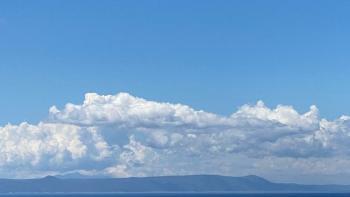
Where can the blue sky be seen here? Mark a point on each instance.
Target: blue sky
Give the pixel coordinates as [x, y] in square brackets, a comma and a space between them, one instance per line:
[214, 56]
[172, 59]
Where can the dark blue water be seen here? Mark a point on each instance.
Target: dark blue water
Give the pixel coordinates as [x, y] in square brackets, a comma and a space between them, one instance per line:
[182, 195]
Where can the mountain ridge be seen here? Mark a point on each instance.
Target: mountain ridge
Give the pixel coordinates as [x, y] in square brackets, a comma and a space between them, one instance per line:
[186, 183]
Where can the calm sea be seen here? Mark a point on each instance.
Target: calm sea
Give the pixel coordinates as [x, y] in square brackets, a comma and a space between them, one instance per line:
[181, 195]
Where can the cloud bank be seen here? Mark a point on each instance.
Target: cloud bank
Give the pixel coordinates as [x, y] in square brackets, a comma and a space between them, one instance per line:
[122, 135]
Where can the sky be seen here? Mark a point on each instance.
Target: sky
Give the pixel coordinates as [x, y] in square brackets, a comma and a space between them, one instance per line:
[246, 87]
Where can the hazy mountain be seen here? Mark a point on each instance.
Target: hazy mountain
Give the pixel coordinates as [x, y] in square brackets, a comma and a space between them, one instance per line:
[77, 175]
[194, 183]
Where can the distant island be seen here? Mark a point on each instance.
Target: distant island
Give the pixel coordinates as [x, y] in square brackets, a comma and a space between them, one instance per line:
[191, 183]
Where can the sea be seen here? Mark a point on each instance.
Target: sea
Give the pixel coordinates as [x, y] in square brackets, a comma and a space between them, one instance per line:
[178, 195]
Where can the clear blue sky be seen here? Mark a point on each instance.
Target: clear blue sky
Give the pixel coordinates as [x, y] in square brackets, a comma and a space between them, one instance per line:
[211, 55]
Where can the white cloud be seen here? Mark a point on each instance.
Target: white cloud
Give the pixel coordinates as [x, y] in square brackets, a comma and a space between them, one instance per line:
[49, 145]
[125, 110]
[122, 135]
[285, 115]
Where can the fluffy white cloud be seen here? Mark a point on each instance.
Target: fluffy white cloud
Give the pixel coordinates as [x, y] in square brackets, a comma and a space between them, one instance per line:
[49, 145]
[122, 135]
[125, 110]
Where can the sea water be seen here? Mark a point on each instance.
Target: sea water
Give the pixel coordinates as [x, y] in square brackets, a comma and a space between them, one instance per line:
[181, 195]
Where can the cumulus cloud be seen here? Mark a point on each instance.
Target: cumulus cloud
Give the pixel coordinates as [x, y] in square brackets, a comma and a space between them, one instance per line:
[49, 145]
[122, 135]
[125, 110]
